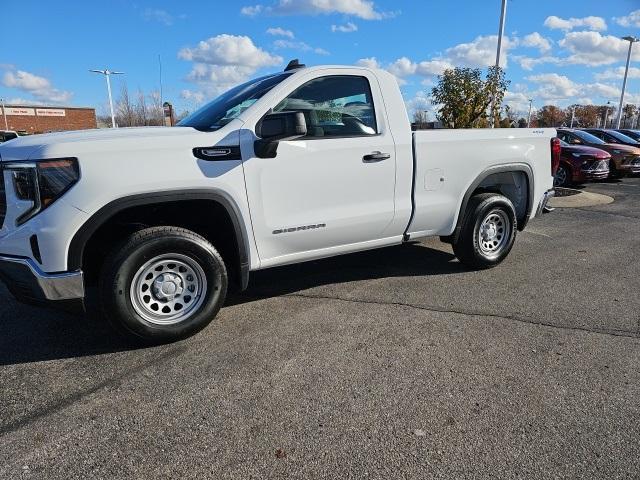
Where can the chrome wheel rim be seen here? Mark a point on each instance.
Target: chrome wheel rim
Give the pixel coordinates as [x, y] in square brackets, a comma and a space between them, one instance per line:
[561, 177]
[494, 233]
[168, 289]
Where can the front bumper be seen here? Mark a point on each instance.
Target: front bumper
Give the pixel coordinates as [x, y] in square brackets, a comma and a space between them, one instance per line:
[543, 205]
[28, 284]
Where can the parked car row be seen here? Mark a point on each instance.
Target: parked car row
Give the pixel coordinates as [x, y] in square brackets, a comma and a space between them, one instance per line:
[596, 154]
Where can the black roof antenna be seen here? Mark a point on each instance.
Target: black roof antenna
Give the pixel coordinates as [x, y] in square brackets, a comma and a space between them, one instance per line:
[294, 64]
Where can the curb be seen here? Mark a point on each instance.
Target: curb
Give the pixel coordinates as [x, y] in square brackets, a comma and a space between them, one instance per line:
[578, 198]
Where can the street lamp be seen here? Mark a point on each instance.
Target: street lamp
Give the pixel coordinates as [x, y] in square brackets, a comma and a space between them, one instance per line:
[529, 117]
[631, 41]
[503, 15]
[107, 73]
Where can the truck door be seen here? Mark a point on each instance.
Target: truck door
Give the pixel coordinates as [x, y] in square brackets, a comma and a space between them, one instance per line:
[335, 186]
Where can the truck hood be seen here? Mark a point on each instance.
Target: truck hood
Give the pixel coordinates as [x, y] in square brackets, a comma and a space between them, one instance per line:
[76, 143]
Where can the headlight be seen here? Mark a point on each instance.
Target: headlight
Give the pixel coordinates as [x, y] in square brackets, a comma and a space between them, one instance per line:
[42, 182]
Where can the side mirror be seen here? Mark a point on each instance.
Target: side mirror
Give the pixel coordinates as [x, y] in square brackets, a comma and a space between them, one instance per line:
[276, 127]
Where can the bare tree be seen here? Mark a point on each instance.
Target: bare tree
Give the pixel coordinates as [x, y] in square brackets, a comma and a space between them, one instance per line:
[126, 116]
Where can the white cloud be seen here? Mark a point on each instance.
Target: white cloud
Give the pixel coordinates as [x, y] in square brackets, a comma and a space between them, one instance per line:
[535, 40]
[364, 9]
[35, 85]
[346, 28]
[617, 73]
[224, 61]
[402, 67]
[554, 87]
[593, 23]
[433, 67]
[631, 20]
[593, 49]
[301, 46]
[158, 15]
[230, 50]
[517, 101]
[371, 62]
[481, 52]
[528, 63]
[280, 32]
[251, 11]
[191, 96]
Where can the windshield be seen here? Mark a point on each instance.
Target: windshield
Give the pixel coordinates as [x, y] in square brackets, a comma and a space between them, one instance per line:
[587, 137]
[621, 137]
[229, 105]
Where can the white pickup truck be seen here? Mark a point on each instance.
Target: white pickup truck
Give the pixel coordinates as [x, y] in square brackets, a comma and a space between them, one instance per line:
[294, 166]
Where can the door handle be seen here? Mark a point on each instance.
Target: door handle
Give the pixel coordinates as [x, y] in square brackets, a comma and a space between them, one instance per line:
[375, 157]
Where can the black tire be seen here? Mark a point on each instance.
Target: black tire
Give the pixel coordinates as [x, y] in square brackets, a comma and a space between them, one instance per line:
[473, 252]
[560, 180]
[122, 305]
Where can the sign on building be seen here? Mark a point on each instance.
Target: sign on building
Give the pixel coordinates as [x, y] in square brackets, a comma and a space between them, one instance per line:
[50, 112]
[30, 112]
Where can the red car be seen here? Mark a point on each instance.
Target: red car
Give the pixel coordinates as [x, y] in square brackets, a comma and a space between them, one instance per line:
[579, 164]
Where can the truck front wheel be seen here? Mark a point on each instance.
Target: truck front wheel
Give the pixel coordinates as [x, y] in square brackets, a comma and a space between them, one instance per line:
[163, 284]
[488, 231]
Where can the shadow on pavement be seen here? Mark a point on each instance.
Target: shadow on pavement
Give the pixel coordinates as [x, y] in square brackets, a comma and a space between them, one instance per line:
[29, 334]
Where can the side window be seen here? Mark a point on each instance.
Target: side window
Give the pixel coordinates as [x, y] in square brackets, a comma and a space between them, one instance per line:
[564, 137]
[334, 106]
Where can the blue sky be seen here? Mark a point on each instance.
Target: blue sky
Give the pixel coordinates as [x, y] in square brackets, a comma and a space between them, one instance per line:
[557, 52]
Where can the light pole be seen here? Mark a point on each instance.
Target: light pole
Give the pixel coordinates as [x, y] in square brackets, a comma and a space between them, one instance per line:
[631, 41]
[503, 15]
[529, 116]
[107, 74]
[4, 113]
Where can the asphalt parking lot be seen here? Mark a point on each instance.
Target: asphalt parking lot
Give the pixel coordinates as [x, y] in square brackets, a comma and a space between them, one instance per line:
[394, 363]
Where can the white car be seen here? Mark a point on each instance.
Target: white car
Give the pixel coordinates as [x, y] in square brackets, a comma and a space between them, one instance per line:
[295, 166]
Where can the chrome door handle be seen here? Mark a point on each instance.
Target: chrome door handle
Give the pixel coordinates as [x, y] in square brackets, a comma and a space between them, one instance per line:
[375, 157]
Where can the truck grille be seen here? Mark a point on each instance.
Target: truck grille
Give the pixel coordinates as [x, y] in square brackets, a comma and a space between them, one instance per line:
[3, 199]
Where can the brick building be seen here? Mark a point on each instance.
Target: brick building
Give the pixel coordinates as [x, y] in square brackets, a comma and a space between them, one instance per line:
[41, 119]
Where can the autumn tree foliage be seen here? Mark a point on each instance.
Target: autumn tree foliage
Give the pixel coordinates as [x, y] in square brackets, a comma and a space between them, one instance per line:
[463, 98]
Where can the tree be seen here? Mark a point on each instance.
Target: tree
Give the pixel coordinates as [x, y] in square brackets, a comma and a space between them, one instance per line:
[585, 115]
[510, 119]
[628, 112]
[420, 119]
[462, 97]
[550, 116]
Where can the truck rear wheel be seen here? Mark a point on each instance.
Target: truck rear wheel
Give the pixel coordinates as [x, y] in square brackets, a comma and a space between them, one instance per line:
[163, 284]
[488, 231]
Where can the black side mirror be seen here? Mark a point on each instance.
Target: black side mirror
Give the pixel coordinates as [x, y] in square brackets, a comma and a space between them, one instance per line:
[276, 127]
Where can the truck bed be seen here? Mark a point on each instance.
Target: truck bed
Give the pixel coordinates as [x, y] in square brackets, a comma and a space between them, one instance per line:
[450, 164]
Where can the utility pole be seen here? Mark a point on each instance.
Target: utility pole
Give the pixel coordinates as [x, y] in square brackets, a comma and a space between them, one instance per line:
[631, 41]
[503, 16]
[529, 117]
[107, 74]
[4, 113]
